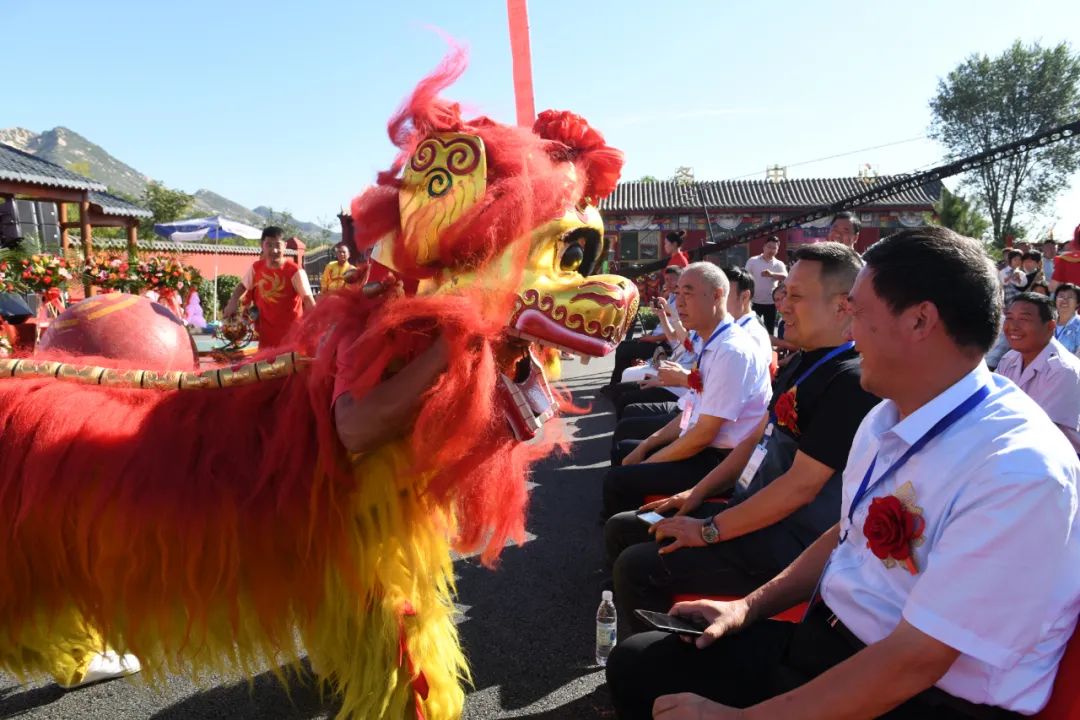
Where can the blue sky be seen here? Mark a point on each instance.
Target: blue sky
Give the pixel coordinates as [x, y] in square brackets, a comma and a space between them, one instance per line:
[286, 104]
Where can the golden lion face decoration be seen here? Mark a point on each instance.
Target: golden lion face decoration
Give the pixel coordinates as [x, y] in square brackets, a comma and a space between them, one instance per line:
[559, 304]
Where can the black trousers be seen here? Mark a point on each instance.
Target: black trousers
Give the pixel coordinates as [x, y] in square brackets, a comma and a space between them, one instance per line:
[646, 580]
[768, 315]
[658, 396]
[627, 352]
[766, 659]
[626, 486]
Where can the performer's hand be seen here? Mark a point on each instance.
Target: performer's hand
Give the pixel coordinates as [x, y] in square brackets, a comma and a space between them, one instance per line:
[688, 706]
[723, 618]
[685, 531]
[391, 285]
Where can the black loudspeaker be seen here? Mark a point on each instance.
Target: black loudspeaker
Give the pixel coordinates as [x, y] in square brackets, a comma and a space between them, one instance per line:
[10, 231]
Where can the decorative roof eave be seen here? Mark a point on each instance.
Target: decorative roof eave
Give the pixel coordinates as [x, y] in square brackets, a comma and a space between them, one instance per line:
[22, 167]
[111, 205]
[756, 195]
[181, 248]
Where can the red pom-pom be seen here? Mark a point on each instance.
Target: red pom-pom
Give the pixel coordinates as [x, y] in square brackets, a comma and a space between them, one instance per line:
[603, 164]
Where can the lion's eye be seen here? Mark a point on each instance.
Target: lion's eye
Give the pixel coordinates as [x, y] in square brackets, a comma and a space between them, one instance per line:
[571, 257]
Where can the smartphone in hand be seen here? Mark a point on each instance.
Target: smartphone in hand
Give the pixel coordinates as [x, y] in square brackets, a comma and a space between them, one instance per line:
[650, 517]
[670, 623]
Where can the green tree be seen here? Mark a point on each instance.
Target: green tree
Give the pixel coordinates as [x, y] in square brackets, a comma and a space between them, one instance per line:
[166, 205]
[957, 213]
[989, 101]
[647, 179]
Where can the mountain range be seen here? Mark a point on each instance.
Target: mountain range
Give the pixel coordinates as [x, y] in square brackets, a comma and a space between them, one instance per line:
[68, 149]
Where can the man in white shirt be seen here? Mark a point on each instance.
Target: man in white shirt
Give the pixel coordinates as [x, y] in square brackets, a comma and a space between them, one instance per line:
[949, 586]
[768, 272]
[1040, 365]
[739, 306]
[730, 391]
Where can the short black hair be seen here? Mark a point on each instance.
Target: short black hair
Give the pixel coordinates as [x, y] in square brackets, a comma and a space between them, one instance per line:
[1033, 255]
[772, 238]
[740, 280]
[1045, 306]
[1011, 254]
[936, 265]
[1042, 285]
[1067, 287]
[272, 232]
[676, 237]
[850, 217]
[840, 264]
[673, 270]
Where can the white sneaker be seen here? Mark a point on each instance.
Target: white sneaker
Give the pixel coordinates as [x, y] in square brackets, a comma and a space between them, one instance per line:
[107, 666]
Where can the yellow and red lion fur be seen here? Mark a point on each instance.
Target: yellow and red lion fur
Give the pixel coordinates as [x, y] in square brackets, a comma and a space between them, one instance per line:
[226, 529]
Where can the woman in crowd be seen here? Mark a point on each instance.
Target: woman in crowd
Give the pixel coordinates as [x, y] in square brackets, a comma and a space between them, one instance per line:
[1068, 323]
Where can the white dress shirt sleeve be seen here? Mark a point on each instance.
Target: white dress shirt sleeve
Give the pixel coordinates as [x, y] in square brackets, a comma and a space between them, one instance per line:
[983, 590]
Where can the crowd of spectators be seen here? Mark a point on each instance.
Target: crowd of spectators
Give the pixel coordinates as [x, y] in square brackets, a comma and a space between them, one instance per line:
[792, 406]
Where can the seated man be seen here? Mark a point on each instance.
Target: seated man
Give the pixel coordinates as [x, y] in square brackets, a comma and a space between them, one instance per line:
[784, 500]
[1040, 365]
[740, 307]
[949, 587]
[644, 348]
[729, 396]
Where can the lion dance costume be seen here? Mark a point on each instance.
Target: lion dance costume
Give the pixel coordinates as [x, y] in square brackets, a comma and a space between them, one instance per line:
[208, 521]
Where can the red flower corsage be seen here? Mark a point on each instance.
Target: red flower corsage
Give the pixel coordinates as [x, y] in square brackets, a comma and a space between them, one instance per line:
[688, 345]
[787, 415]
[891, 529]
[694, 381]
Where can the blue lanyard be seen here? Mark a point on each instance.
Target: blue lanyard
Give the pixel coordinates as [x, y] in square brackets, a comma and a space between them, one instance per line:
[942, 425]
[745, 320]
[821, 361]
[716, 333]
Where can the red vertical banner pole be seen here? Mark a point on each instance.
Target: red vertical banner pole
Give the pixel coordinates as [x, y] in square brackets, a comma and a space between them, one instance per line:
[521, 55]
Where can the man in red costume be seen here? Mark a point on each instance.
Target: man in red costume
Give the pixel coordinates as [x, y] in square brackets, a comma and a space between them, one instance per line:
[1067, 264]
[277, 287]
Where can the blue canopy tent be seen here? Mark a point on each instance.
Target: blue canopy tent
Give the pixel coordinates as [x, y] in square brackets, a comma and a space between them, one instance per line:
[213, 228]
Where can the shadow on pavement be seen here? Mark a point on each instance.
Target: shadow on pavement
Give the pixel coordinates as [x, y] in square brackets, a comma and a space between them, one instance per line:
[264, 698]
[529, 630]
[14, 703]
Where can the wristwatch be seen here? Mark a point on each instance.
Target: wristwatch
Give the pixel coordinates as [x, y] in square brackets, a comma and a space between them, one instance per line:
[709, 532]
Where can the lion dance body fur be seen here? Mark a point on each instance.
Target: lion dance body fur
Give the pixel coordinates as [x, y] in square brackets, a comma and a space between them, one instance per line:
[227, 529]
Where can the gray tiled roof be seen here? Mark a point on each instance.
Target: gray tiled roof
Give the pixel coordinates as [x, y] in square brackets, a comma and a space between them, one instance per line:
[757, 194]
[167, 246]
[19, 166]
[112, 205]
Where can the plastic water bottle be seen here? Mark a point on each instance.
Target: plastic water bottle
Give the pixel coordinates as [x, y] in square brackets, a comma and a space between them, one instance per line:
[605, 628]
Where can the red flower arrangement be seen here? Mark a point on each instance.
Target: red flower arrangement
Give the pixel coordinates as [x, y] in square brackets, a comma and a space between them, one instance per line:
[786, 411]
[891, 529]
[9, 277]
[114, 274]
[46, 275]
[694, 381]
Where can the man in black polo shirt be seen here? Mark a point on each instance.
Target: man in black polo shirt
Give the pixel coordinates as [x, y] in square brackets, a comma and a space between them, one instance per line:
[785, 495]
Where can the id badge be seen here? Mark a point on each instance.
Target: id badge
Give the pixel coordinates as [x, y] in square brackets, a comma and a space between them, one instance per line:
[756, 458]
[687, 413]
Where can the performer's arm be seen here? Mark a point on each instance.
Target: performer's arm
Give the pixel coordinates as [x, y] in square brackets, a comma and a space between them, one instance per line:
[386, 411]
[234, 299]
[303, 289]
[238, 292]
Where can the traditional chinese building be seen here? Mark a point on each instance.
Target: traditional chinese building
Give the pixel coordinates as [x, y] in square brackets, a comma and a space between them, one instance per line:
[639, 214]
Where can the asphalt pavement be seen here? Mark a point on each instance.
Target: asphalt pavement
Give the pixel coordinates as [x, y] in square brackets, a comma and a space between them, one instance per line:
[528, 626]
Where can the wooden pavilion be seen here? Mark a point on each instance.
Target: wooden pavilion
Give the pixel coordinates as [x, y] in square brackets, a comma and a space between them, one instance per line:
[26, 177]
